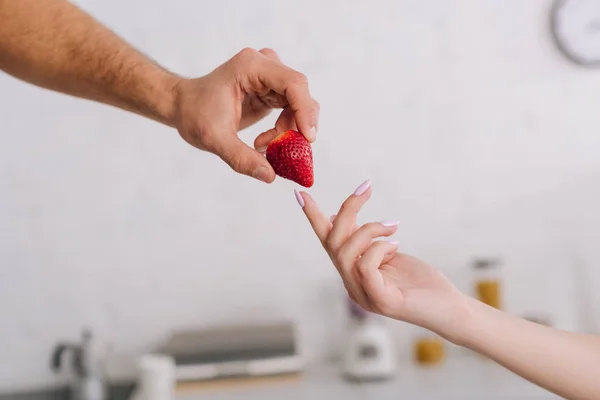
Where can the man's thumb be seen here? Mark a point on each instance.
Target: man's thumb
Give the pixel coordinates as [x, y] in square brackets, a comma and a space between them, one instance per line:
[245, 160]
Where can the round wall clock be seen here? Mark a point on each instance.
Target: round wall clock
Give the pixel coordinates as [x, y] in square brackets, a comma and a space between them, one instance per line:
[576, 30]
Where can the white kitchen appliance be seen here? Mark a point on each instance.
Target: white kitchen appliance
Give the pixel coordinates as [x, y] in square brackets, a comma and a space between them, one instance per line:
[369, 352]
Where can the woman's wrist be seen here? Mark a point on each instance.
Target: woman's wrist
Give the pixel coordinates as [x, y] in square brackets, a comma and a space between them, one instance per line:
[460, 324]
[477, 324]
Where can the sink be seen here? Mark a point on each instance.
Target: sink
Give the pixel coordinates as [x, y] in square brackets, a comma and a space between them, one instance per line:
[120, 391]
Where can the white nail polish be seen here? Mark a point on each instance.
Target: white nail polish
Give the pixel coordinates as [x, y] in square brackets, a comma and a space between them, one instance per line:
[389, 224]
[362, 188]
[299, 198]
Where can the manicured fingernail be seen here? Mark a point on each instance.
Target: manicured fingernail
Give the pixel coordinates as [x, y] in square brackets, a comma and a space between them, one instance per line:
[299, 198]
[362, 188]
[261, 149]
[313, 133]
[394, 242]
[332, 218]
[262, 174]
[389, 224]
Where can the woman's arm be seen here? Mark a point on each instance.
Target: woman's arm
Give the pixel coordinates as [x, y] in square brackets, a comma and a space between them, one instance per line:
[402, 287]
[565, 363]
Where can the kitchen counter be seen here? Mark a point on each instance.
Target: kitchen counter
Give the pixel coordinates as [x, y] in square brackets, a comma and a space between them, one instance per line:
[468, 378]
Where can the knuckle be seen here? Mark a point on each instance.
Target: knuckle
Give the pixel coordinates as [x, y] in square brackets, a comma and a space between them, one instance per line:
[347, 208]
[200, 138]
[258, 143]
[371, 228]
[330, 245]
[267, 51]
[316, 106]
[299, 79]
[362, 267]
[345, 265]
[336, 253]
[367, 231]
[381, 247]
[206, 137]
[236, 163]
[247, 52]
[244, 57]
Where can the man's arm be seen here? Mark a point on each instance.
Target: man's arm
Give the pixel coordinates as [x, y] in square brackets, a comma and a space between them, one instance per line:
[565, 363]
[55, 45]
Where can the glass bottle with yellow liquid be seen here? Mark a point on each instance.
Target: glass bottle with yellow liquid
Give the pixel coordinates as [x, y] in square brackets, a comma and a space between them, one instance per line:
[488, 282]
[428, 349]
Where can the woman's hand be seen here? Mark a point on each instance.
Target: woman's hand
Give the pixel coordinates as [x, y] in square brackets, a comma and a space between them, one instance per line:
[379, 278]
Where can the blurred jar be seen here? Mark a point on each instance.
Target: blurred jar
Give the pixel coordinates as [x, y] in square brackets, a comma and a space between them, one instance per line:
[488, 282]
[428, 349]
[370, 352]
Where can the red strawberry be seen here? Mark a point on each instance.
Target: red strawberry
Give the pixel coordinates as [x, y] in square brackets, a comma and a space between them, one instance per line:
[290, 156]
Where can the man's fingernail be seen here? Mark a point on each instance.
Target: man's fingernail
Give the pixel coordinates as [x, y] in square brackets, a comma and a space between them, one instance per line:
[394, 242]
[389, 224]
[262, 174]
[299, 198]
[261, 149]
[362, 188]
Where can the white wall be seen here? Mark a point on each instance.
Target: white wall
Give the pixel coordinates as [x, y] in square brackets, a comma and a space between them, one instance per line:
[477, 134]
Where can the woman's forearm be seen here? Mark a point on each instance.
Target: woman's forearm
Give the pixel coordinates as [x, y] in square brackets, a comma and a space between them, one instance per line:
[55, 45]
[567, 364]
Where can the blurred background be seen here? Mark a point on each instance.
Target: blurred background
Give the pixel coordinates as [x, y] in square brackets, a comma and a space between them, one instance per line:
[479, 134]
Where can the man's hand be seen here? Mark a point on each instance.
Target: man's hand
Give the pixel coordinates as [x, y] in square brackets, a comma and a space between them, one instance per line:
[211, 110]
[56, 45]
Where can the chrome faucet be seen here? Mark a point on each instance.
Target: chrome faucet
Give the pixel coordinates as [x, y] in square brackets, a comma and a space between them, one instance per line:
[88, 359]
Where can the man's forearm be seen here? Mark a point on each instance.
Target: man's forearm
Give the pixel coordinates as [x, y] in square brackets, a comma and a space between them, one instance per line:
[565, 363]
[55, 45]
